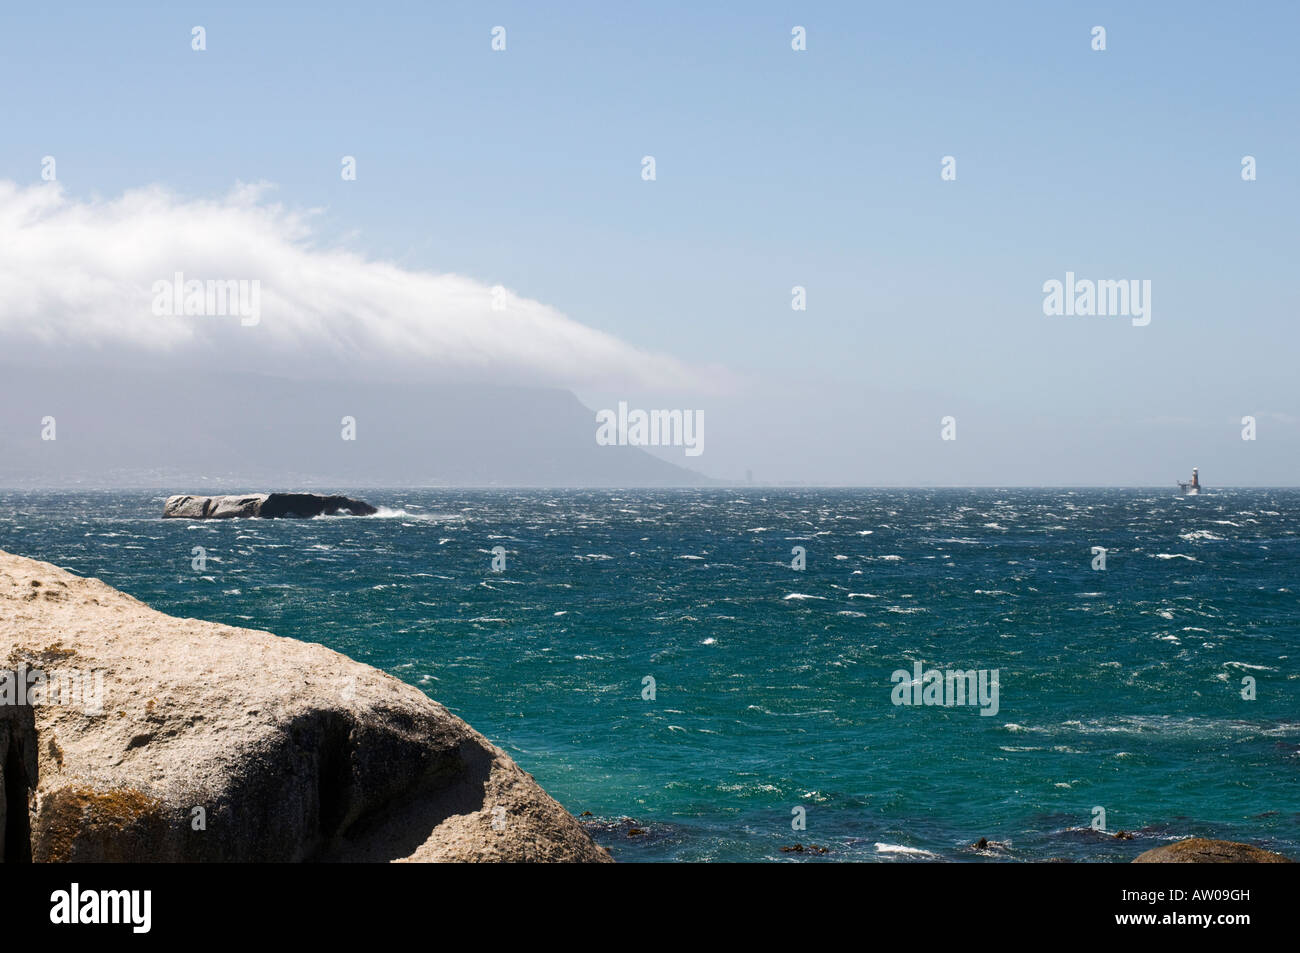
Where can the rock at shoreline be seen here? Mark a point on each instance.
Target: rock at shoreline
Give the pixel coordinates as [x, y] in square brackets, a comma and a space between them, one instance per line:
[1200, 850]
[166, 739]
[264, 505]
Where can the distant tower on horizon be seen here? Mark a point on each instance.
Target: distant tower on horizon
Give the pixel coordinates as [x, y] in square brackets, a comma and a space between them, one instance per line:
[1194, 487]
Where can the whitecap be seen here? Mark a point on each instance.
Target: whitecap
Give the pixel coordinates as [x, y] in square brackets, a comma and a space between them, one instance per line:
[387, 513]
[882, 848]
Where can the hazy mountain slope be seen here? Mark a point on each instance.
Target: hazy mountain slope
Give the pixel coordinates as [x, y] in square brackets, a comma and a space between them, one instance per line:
[189, 431]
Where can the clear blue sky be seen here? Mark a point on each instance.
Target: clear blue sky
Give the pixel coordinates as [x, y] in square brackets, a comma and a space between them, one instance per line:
[775, 168]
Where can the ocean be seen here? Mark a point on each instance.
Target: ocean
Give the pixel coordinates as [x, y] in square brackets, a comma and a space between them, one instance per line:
[654, 660]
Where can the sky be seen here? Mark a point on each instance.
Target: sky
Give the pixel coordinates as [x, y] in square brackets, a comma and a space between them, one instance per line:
[820, 168]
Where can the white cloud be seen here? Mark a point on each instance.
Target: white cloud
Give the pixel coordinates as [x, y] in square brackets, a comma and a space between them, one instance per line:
[76, 281]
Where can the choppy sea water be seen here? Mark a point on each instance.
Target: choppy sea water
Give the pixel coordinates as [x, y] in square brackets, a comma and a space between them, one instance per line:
[1118, 688]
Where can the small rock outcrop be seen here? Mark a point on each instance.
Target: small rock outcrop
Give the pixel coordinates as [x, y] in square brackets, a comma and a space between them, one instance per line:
[1201, 850]
[264, 505]
[153, 738]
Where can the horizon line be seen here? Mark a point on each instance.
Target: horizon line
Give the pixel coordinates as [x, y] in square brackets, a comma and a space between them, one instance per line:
[713, 485]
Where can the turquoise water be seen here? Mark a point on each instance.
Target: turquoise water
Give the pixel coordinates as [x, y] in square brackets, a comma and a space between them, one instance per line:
[1118, 689]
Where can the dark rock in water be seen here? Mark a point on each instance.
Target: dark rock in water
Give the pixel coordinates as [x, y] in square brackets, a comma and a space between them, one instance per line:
[801, 849]
[1123, 835]
[312, 504]
[626, 831]
[264, 505]
[1201, 850]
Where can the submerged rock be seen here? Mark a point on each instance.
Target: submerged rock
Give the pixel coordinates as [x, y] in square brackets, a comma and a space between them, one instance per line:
[1201, 850]
[155, 738]
[265, 505]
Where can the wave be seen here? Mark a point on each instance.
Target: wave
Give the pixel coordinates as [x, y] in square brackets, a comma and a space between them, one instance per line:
[388, 513]
[883, 848]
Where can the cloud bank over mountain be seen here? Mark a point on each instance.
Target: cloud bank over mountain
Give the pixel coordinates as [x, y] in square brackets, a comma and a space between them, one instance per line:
[78, 282]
